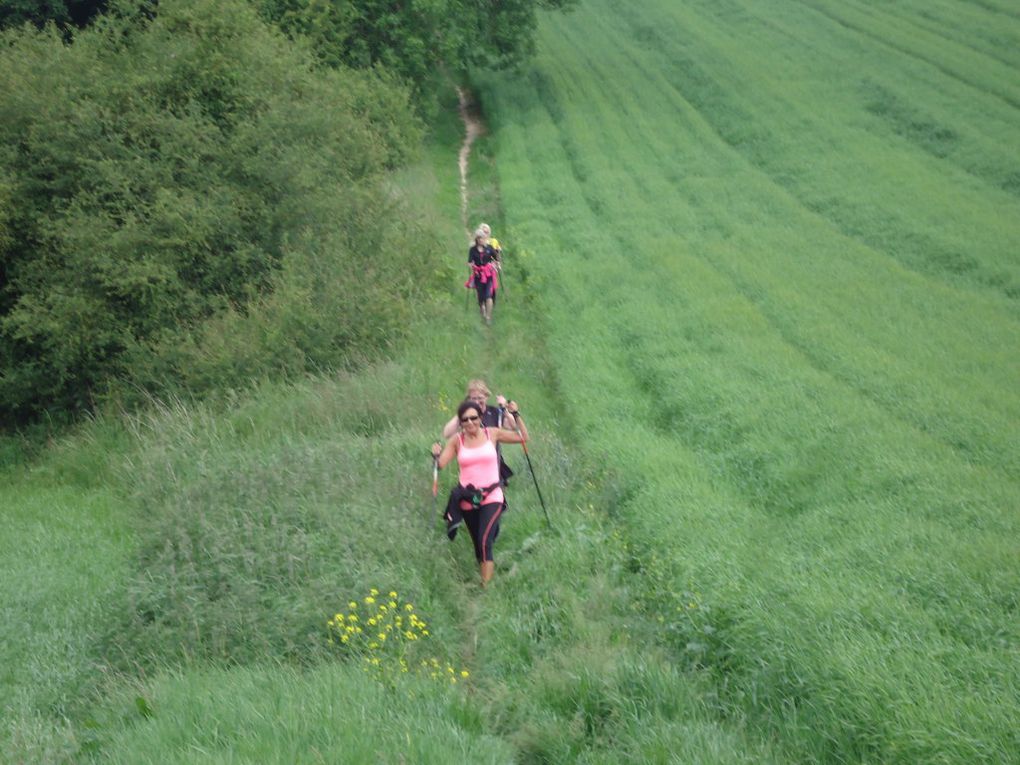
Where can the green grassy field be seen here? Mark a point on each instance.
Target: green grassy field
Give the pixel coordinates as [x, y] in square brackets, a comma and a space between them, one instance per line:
[761, 315]
[776, 248]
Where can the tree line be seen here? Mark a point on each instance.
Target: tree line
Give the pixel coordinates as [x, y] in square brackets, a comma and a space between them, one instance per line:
[192, 192]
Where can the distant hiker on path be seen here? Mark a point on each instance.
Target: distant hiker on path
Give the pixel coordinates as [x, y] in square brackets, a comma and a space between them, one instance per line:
[484, 276]
[493, 242]
[478, 496]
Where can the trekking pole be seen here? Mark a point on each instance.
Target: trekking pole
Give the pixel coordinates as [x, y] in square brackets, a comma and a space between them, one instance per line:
[435, 483]
[502, 278]
[531, 468]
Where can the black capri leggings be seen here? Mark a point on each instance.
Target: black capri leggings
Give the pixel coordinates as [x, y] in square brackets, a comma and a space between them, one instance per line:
[483, 524]
[485, 291]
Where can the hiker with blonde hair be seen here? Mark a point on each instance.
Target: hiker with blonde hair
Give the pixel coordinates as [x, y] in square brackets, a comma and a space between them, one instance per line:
[498, 416]
[492, 241]
[484, 275]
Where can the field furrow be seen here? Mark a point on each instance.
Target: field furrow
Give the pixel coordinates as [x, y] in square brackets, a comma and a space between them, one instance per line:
[776, 253]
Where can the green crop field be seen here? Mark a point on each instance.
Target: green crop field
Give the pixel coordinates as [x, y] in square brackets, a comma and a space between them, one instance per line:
[762, 313]
[776, 246]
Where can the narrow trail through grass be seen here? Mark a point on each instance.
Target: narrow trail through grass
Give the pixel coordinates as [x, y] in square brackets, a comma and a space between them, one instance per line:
[567, 684]
[761, 320]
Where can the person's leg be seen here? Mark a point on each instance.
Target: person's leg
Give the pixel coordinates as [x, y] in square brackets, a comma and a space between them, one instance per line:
[488, 311]
[489, 527]
[480, 289]
[474, 522]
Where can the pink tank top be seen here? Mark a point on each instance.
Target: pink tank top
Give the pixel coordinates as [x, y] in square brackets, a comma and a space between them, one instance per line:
[479, 466]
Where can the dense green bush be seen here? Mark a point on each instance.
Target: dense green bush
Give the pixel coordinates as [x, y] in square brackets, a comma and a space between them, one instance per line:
[39, 12]
[414, 38]
[190, 200]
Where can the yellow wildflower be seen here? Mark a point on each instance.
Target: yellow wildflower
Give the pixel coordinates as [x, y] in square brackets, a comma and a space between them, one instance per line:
[369, 600]
[393, 594]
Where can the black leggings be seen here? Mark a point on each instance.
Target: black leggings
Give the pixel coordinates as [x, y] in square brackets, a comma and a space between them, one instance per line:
[483, 524]
[485, 291]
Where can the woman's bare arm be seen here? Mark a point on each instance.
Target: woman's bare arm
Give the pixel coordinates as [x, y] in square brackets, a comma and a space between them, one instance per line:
[450, 428]
[444, 453]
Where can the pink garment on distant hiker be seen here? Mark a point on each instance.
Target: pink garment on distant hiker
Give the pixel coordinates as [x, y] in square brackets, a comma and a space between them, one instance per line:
[479, 466]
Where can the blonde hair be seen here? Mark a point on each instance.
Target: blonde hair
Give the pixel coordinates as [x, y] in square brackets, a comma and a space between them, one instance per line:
[478, 385]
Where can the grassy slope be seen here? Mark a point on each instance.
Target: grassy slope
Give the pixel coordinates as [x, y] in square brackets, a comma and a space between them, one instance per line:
[776, 246]
[253, 525]
[738, 344]
[63, 551]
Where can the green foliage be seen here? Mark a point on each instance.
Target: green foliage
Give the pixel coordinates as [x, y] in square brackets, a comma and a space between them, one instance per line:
[60, 12]
[414, 38]
[169, 184]
[276, 714]
[254, 529]
[775, 437]
[771, 251]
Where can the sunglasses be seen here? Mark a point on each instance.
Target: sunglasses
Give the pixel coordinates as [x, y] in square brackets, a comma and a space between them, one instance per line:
[472, 418]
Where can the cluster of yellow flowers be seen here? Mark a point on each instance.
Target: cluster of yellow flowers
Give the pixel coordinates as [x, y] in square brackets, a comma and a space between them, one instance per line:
[382, 630]
[443, 403]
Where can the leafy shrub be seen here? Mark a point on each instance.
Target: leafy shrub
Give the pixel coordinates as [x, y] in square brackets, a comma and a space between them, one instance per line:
[413, 38]
[191, 180]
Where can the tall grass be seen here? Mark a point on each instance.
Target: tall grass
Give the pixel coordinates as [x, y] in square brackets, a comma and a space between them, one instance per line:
[63, 555]
[773, 249]
[775, 438]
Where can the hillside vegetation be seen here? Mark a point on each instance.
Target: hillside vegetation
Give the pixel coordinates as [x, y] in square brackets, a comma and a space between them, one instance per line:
[776, 245]
[760, 312]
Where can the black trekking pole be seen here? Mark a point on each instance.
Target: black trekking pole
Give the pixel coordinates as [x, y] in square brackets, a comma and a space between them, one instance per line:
[531, 468]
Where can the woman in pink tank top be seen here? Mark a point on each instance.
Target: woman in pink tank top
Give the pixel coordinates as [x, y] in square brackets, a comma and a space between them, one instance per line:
[481, 495]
